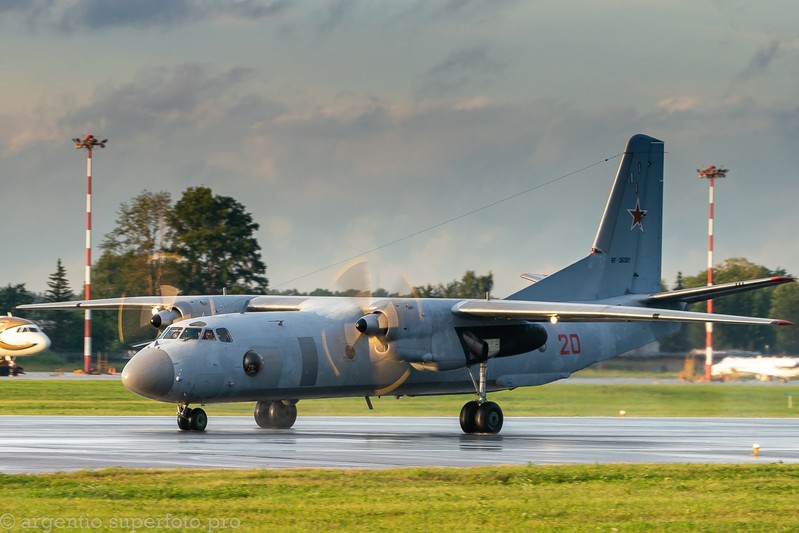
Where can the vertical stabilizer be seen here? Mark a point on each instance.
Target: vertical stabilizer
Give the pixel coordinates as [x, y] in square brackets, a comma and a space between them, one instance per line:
[626, 255]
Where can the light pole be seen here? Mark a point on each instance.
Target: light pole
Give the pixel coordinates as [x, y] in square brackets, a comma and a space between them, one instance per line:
[89, 143]
[710, 173]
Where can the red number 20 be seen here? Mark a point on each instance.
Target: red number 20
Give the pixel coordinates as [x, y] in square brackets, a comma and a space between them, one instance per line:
[570, 344]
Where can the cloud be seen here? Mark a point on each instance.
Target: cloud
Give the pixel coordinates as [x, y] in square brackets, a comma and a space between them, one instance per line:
[677, 104]
[159, 96]
[76, 15]
[334, 16]
[460, 71]
[760, 61]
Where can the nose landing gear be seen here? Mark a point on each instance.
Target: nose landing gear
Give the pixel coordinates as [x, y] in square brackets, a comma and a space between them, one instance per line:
[191, 419]
[481, 416]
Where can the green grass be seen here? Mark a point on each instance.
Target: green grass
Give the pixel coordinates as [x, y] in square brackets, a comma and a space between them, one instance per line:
[90, 397]
[552, 498]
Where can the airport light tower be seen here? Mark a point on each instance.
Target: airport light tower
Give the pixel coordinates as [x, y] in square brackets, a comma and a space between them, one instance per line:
[89, 143]
[710, 173]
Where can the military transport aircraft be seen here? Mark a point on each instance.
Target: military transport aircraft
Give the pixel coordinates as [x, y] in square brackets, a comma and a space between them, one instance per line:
[19, 338]
[276, 350]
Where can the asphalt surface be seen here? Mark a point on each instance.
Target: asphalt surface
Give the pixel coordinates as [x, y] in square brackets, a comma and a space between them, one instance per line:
[574, 380]
[63, 443]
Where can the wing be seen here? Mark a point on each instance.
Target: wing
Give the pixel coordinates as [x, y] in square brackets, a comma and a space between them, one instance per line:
[583, 312]
[216, 304]
[700, 294]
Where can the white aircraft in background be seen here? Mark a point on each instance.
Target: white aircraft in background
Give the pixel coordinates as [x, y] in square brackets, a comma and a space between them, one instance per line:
[763, 368]
[19, 338]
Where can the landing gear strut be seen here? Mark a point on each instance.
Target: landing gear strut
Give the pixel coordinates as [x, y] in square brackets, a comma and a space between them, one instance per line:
[191, 419]
[481, 416]
[277, 415]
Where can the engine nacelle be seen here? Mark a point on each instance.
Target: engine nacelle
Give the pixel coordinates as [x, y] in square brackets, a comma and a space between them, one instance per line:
[480, 343]
[373, 324]
[165, 318]
[182, 309]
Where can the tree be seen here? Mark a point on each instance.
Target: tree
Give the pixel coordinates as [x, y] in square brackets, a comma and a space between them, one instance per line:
[137, 244]
[63, 327]
[470, 286]
[14, 295]
[750, 303]
[214, 237]
[785, 305]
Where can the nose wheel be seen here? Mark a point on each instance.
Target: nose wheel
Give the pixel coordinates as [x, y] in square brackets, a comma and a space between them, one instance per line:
[191, 419]
[481, 416]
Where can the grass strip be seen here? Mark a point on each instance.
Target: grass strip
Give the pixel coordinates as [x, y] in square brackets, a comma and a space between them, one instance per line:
[55, 397]
[622, 498]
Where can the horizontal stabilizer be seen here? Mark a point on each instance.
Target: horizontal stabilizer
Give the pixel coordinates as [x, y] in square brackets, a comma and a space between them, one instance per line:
[700, 294]
[585, 312]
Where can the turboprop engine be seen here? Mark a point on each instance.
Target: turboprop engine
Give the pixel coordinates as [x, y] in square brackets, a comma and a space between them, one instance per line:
[165, 315]
[402, 332]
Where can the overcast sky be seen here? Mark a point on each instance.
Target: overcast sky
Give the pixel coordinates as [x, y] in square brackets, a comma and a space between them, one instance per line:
[343, 126]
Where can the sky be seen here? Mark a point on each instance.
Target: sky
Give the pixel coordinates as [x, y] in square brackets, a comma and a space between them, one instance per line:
[356, 128]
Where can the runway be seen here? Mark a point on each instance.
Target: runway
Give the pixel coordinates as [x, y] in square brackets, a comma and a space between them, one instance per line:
[62, 443]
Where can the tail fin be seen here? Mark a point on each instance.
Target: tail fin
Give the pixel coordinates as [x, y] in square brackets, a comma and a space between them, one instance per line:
[625, 258]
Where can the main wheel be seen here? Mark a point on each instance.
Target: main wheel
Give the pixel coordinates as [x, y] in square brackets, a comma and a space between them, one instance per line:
[283, 416]
[261, 415]
[468, 413]
[489, 418]
[198, 420]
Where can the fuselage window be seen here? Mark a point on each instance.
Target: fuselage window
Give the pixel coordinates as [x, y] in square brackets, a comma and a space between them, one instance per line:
[190, 334]
[208, 335]
[224, 335]
[172, 333]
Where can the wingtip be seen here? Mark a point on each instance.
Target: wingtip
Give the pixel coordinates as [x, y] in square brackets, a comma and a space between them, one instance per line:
[783, 278]
[783, 323]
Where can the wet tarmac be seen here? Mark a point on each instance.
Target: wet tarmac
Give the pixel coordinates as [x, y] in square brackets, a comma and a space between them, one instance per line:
[64, 443]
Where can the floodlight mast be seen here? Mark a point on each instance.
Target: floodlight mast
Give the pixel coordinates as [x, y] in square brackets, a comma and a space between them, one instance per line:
[710, 173]
[88, 143]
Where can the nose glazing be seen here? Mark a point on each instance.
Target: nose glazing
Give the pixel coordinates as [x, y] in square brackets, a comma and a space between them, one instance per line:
[150, 373]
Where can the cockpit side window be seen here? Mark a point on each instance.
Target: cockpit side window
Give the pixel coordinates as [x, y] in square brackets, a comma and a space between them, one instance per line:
[171, 333]
[224, 335]
[208, 335]
[190, 334]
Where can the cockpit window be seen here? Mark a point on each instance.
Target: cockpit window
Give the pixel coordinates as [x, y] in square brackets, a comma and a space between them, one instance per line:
[190, 334]
[34, 329]
[171, 333]
[208, 335]
[224, 335]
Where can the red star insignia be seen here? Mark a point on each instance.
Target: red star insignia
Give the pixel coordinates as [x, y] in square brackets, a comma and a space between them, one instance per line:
[638, 215]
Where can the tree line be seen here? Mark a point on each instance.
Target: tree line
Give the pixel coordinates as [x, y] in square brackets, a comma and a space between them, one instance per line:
[205, 244]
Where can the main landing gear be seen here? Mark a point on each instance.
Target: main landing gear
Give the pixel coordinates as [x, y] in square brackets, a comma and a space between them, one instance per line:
[481, 416]
[191, 419]
[277, 415]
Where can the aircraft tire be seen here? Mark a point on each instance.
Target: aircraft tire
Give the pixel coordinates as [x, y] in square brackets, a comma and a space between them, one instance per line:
[184, 420]
[467, 418]
[198, 420]
[283, 416]
[183, 423]
[489, 418]
[261, 414]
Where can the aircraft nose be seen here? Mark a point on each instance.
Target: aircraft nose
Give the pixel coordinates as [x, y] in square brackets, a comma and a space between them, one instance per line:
[150, 373]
